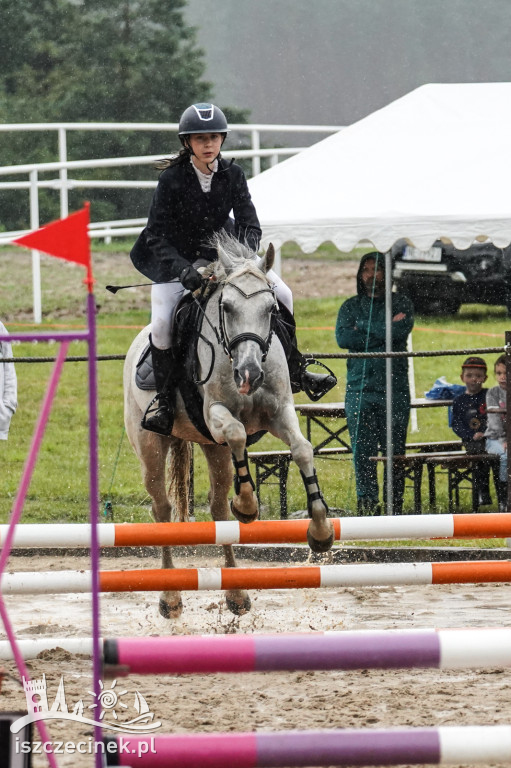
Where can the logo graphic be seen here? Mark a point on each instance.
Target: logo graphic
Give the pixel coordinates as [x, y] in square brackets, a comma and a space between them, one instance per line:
[108, 704]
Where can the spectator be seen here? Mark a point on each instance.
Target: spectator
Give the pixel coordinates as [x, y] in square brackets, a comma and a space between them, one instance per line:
[361, 328]
[469, 420]
[8, 386]
[495, 434]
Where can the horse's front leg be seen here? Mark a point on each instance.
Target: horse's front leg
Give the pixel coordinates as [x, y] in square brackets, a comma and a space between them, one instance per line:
[226, 429]
[320, 533]
[219, 467]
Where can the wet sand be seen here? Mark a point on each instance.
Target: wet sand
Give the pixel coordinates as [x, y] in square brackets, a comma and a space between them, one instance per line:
[264, 701]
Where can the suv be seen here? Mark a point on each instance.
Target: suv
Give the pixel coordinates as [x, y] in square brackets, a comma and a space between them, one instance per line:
[441, 279]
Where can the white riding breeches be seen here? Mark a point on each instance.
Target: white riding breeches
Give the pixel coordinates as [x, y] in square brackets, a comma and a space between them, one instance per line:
[166, 296]
[164, 300]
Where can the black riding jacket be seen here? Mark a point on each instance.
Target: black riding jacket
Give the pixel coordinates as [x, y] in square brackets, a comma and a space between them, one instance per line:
[183, 218]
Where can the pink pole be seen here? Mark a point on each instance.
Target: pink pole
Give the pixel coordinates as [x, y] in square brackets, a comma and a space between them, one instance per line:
[17, 509]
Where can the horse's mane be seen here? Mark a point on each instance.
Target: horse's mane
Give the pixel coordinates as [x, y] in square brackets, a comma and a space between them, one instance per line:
[234, 259]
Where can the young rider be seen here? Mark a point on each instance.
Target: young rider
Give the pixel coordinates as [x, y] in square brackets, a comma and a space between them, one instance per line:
[196, 193]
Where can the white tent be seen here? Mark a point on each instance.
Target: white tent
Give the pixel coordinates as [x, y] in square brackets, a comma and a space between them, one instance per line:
[435, 163]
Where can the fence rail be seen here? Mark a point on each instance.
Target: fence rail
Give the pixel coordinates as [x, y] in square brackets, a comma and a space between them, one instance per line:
[130, 227]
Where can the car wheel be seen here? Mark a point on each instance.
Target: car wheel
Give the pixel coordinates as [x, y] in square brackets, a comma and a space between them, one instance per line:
[429, 305]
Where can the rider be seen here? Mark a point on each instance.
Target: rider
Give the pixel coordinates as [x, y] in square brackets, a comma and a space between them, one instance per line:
[196, 192]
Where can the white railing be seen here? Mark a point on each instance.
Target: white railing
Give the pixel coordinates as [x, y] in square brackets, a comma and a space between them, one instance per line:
[128, 227]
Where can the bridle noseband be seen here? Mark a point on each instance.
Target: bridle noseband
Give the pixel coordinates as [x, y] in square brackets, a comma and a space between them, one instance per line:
[264, 344]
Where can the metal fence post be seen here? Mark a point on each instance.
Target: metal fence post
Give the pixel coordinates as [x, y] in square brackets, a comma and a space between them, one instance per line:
[64, 201]
[256, 144]
[36, 261]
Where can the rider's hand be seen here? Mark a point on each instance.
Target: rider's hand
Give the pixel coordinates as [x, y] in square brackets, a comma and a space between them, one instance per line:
[190, 278]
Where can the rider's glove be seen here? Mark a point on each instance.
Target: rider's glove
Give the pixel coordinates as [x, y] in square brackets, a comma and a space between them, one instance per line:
[190, 278]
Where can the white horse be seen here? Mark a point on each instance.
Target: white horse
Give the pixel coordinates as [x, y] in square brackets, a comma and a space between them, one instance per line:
[245, 388]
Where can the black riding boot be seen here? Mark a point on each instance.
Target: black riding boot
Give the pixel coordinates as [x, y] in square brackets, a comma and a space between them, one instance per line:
[159, 416]
[502, 495]
[315, 385]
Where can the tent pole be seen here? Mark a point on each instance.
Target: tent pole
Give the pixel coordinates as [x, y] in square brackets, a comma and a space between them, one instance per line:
[388, 381]
[411, 384]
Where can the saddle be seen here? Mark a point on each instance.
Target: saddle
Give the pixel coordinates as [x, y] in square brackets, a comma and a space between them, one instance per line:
[186, 332]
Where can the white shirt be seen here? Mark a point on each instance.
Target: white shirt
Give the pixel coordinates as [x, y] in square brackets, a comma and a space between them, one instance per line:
[205, 179]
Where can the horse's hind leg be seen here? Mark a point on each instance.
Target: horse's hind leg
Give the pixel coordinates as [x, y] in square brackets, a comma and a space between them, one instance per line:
[152, 450]
[220, 472]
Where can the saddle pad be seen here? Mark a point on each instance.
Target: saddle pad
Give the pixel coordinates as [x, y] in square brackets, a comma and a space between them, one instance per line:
[187, 327]
[144, 374]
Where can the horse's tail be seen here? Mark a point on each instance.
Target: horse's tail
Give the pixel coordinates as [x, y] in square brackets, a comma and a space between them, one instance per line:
[179, 478]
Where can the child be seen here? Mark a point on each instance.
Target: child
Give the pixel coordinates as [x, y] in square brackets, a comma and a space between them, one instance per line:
[196, 192]
[469, 420]
[496, 430]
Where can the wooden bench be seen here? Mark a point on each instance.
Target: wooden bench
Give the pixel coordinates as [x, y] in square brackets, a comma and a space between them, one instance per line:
[440, 445]
[459, 467]
[275, 464]
[324, 415]
[272, 467]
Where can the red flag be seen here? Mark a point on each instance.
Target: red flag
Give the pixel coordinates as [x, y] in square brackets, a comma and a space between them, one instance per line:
[66, 239]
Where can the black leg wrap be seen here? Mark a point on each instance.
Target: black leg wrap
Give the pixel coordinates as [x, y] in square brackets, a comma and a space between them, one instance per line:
[315, 495]
[238, 479]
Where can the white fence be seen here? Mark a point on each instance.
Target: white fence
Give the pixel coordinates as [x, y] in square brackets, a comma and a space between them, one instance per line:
[126, 227]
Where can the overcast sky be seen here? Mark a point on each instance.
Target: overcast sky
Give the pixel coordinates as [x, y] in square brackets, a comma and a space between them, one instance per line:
[335, 61]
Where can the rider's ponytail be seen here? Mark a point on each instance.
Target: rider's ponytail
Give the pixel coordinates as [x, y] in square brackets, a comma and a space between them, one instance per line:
[167, 162]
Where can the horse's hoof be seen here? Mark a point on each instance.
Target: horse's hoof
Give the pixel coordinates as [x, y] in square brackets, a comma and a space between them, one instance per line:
[241, 516]
[317, 545]
[170, 611]
[239, 609]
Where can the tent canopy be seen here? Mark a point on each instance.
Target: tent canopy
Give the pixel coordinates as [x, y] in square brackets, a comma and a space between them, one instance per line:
[434, 164]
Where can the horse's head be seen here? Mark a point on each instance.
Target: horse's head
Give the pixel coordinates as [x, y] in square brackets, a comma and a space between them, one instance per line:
[247, 308]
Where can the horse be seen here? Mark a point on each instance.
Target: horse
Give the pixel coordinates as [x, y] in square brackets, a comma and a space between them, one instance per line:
[244, 382]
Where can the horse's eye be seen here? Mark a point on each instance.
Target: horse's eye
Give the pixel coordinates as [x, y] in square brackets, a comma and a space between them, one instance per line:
[226, 308]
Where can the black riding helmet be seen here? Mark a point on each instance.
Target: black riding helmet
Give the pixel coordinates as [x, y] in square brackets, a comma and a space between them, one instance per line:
[202, 118]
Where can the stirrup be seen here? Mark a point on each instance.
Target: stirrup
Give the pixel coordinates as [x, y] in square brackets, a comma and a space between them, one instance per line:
[315, 385]
[159, 416]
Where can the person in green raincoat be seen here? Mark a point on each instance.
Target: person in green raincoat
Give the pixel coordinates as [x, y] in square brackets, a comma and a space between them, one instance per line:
[360, 327]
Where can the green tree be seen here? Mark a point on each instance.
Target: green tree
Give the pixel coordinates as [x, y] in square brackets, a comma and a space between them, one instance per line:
[94, 60]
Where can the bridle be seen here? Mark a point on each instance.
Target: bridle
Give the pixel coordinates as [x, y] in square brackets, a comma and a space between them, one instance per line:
[221, 334]
[264, 344]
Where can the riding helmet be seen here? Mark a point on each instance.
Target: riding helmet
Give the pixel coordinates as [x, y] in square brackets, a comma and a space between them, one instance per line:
[202, 118]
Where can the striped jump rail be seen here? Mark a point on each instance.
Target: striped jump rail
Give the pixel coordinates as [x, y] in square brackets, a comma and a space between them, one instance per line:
[438, 649]
[448, 526]
[447, 745]
[296, 577]
[346, 649]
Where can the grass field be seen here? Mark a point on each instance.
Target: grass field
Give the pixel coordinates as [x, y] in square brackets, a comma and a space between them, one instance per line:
[59, 488]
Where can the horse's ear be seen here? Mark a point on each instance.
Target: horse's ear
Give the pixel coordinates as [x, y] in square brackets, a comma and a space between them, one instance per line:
[268, 259]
